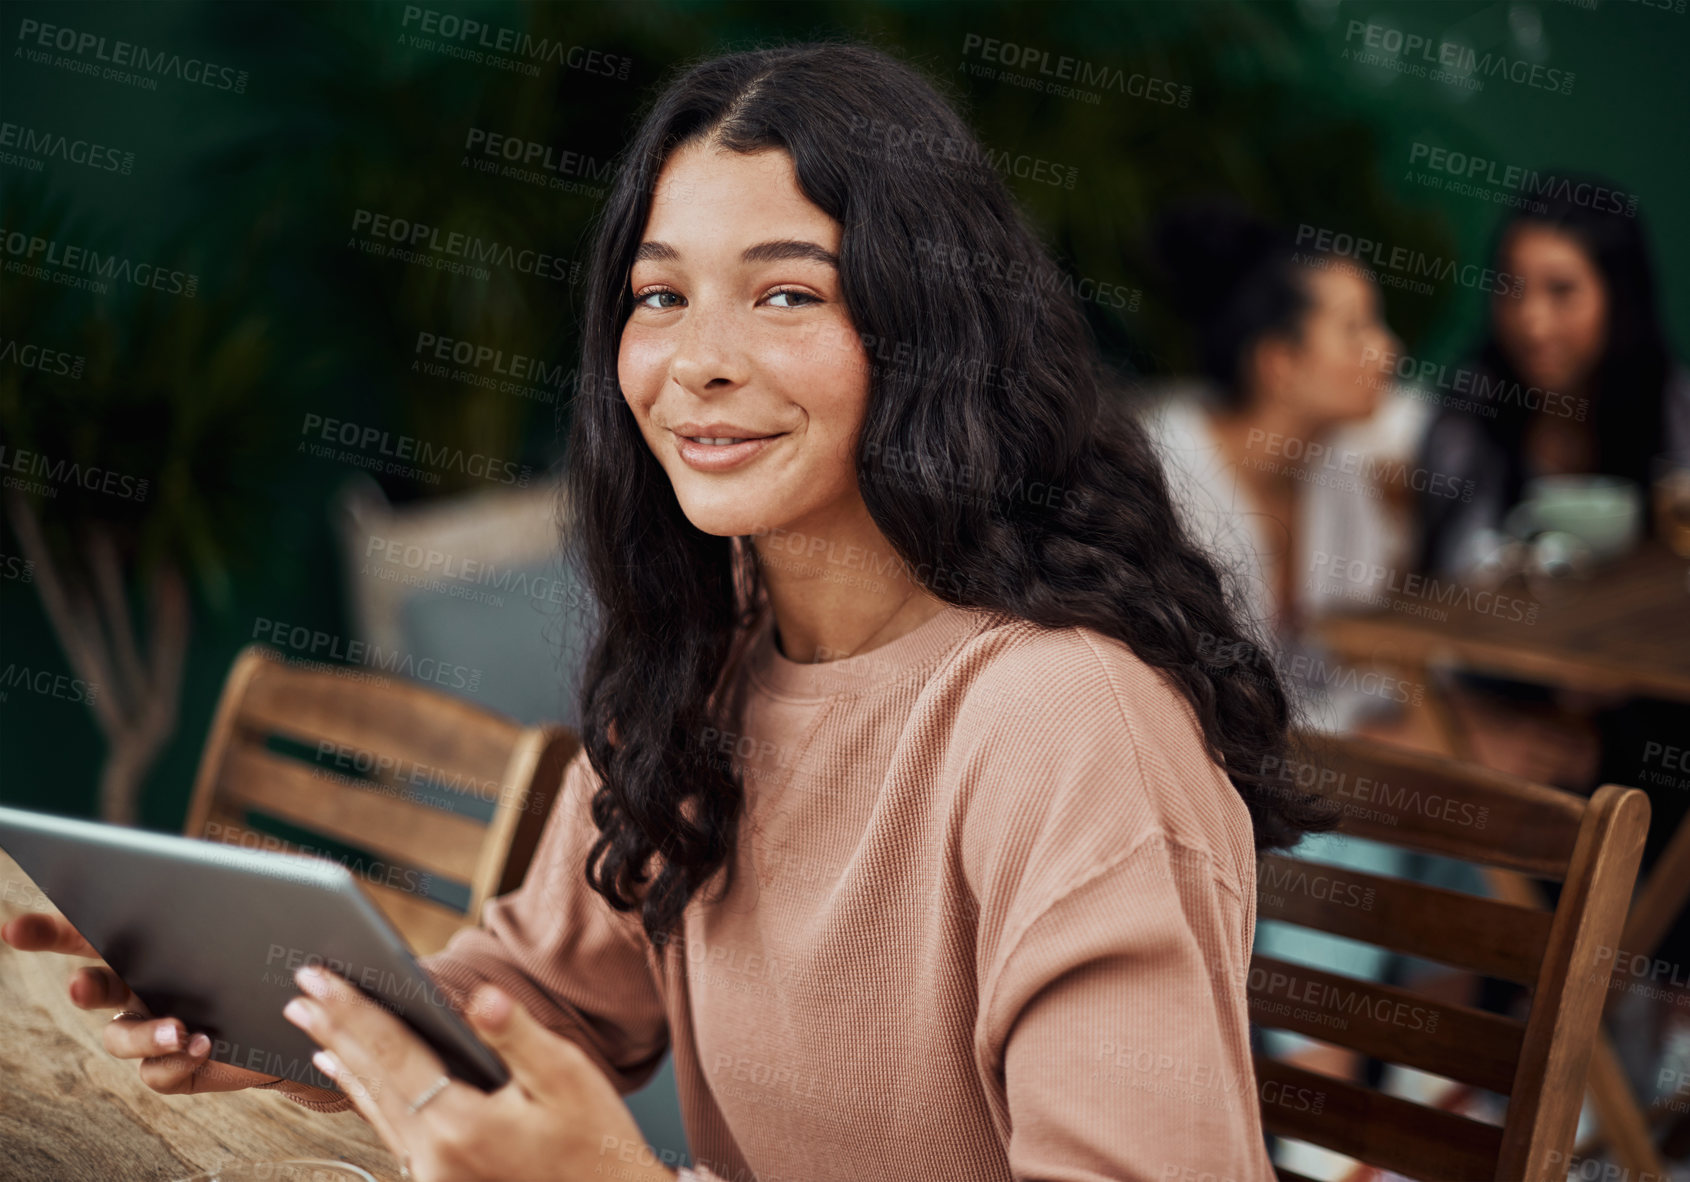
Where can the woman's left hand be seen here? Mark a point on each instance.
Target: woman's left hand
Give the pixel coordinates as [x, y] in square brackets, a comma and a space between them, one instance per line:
[557, 1118]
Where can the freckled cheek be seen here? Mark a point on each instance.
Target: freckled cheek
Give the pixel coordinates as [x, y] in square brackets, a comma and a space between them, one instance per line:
[824, 372]
[642, 362]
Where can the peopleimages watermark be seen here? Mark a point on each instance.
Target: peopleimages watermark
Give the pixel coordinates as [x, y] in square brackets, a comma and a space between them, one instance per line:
[986, 270]
[1233, 653]
[381, 450]
[44, 683]
[144, 66]
[489, 368]
[52, 362]
[1404, 267]
[955, 155]
[83, 267]
[457, 577]
[1377, 585]
[42, 475]
[33, 147]
[1372, 44]
[1335, 784]
[1033, 68]
[318, 644]
[508, 49]
[825, 553]
[1669, 761]
[399, 878]
[454, 251]
[917, 472]
[1307, 458]
[538, 163]
[1469, 389]
[1509, 184]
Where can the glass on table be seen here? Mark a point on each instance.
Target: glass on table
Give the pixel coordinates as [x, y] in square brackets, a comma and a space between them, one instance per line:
[293, 1170]
[1671, 484]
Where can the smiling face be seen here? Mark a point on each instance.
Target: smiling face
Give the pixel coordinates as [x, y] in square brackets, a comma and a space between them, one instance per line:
[739, 333]
[1556, 329]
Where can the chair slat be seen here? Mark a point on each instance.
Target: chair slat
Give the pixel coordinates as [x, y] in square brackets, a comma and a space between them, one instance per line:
[1439, 806]
[1412, 1140]
[427, 728]
[1463, 931]
[1386, 1022]
[406, 834]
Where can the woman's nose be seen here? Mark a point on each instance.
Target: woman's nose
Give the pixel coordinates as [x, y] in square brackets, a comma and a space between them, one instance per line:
[708, 353]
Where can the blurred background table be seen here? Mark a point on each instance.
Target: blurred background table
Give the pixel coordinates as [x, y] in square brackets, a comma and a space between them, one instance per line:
[1623, 631]
[69, 1111]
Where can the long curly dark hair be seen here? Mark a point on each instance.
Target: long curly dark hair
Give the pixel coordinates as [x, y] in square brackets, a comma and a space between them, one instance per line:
[996, 375]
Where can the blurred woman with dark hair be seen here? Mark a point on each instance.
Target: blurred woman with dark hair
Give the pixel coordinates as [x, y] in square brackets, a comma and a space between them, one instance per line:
[1578, 377]
[909, 813]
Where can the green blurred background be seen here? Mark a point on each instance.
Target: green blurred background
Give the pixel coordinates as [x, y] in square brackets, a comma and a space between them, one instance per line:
[254, 192]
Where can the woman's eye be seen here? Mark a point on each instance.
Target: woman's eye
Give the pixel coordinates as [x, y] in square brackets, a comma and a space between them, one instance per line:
[790, 295]
[644, 299]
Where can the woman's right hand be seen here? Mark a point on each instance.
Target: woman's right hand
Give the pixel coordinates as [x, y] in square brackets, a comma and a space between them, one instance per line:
[172, 1060]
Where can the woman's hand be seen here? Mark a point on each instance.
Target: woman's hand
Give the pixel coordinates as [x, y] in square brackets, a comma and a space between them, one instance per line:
[172, 1061]
[557, 1118]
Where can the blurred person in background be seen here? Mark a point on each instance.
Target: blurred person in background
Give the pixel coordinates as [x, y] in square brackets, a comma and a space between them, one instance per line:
[1262, 459]
[1576, 376]
[1268, 463]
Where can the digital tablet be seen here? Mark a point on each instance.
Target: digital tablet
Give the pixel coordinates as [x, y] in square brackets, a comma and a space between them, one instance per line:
[212, 934]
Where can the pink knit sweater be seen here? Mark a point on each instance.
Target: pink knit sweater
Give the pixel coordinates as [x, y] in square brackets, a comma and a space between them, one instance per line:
[991, 919]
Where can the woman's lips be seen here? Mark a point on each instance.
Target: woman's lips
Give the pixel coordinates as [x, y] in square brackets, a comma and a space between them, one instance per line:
[718, 457]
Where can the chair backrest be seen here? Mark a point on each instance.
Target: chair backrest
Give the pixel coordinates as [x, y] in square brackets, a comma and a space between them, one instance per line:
[1438, 806]
[436, 803]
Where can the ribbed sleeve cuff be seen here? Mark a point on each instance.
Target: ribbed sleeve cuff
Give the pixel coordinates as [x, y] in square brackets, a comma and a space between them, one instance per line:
[316, 1099]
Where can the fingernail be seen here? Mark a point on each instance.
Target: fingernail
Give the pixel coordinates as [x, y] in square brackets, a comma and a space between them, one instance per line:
[327, 1063]
[199, 1044]
[168, 1037]
[311, 980]
[298, 1013]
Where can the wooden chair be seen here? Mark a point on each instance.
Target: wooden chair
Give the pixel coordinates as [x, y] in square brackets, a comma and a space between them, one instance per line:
[1435, 805]
[424, 795]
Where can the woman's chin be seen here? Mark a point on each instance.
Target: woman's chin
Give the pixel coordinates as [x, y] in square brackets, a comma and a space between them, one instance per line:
[729, 520]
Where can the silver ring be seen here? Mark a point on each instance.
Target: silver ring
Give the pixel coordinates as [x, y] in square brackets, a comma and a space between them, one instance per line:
[434, 1089]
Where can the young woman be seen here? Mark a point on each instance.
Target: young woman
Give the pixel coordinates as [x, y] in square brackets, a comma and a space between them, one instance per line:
[910, 815]
[1578, 375]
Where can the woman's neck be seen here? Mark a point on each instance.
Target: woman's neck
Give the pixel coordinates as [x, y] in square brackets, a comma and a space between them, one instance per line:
[1258, 443]
[837, 588]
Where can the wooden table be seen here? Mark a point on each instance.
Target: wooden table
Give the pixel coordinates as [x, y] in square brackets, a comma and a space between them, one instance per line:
[69, 1111]
[1626, 631]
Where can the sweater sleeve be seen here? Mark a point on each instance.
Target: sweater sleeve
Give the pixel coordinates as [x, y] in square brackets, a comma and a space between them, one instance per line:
[1109, 858]
[559, 950]
[1122, 1031]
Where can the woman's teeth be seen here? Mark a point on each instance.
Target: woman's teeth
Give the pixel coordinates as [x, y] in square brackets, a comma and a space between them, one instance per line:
[714, 442]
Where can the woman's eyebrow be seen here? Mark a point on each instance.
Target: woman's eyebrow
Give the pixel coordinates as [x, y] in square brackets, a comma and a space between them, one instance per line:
[775, 252]
[763, 252]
